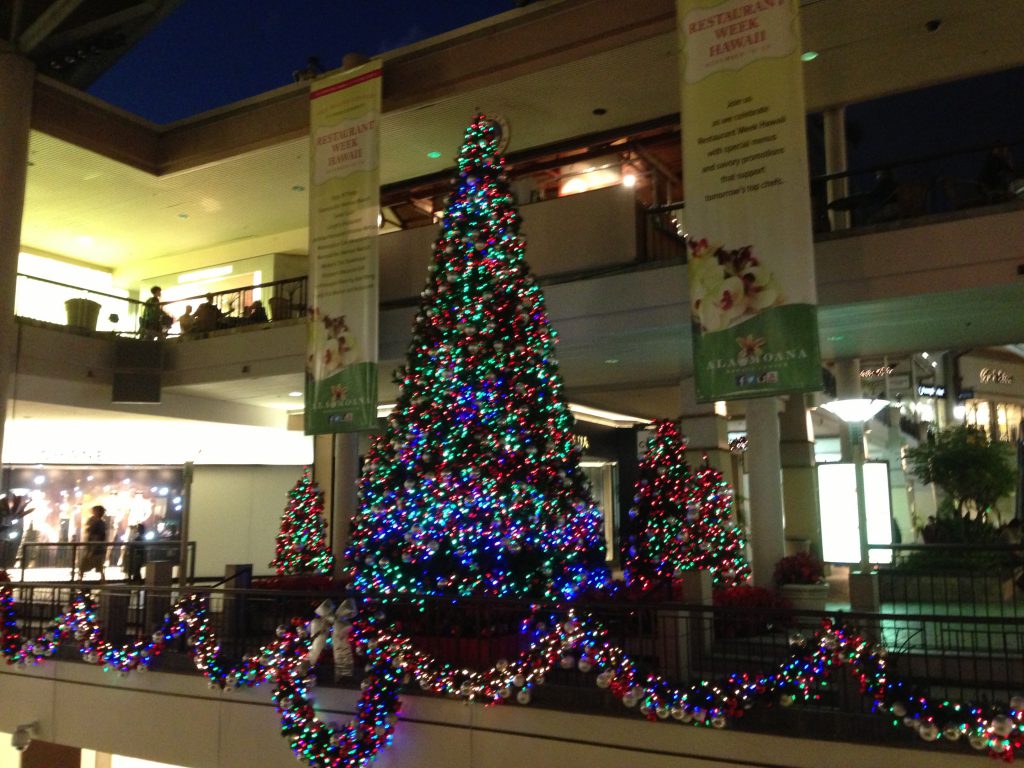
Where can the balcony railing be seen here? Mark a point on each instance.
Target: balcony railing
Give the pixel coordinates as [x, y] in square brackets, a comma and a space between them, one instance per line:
[944, 659]
[121, 560]
[83, 308]
[93, 310]
[945, 183]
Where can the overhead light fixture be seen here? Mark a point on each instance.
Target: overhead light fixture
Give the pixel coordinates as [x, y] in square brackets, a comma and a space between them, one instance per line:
[855, 410]
[605, 418]
[433, 154]
[808, 56]
[298, 188]
[182, 215]
[629, 180]
[295, 393]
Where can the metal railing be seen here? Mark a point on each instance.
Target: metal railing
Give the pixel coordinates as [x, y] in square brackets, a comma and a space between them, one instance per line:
[92, 310]
[120, 560]
[280, 299]
[955, 658]
[931, 184]
[50, 301]
[953, 579]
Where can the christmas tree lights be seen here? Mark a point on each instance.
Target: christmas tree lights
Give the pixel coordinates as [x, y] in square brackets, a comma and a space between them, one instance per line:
[302, 541]
[681, 520]
[475, 486]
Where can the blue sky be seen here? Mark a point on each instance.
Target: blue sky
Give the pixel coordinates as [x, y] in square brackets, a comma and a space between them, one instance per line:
[209, 53]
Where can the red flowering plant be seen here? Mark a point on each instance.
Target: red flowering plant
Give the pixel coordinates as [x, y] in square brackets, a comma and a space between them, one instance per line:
[746, 611]
[801, 568]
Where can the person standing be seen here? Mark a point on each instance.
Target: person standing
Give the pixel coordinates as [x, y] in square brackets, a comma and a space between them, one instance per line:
[154, 322]
[95, 554]
[136, 553]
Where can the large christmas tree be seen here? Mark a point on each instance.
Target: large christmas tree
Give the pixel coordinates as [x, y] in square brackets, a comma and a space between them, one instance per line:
[681, 519]
[302, 541]
[475, 488]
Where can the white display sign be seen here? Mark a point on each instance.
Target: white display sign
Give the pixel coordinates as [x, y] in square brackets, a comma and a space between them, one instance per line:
[837, 505]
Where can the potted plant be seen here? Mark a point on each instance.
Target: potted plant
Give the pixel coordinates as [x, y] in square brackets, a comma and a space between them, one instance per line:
[800, 578]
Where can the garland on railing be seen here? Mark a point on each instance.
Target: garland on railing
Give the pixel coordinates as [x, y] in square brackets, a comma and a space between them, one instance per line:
[568, 640]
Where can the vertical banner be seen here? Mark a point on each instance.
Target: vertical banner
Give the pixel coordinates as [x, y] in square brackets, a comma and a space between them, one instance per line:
[344, 202]
[748, 209]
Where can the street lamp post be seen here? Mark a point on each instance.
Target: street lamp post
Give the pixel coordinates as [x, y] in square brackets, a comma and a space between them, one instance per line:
[854, 412]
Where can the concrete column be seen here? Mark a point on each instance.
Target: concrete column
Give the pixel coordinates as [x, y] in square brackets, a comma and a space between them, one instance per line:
[799, 476]
[706, 432]
[835, 162]
[848, 387]
[764, 465]
[346, 476]
[323, 469]
[17, 76]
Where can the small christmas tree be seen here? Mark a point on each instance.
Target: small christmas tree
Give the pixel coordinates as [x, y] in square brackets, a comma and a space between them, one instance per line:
[682, 519]
[302, 542]
[475, 486]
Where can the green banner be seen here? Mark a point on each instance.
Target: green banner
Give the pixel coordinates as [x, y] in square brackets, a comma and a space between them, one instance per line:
[344, 201]
[748, 211]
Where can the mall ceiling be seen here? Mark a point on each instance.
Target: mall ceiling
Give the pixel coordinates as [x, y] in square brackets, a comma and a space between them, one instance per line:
[112, 190]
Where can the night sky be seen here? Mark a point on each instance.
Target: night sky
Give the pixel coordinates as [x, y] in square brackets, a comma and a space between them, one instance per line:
[209, 53]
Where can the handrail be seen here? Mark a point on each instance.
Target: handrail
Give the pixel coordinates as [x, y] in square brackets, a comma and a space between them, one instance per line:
[80, 288]
[36, 548]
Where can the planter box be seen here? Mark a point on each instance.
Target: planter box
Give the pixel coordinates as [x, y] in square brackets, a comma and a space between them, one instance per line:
[805, 597]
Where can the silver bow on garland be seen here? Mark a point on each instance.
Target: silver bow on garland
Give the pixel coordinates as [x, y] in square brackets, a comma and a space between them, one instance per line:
[333, 623]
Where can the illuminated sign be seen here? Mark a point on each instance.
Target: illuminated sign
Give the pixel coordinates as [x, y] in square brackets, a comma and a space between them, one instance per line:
[929, 390]
[995, 376]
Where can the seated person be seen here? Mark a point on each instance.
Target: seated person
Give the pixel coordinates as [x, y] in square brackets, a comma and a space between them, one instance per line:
[207, 316]
[187, 321]
[996, 174]
[255, 313]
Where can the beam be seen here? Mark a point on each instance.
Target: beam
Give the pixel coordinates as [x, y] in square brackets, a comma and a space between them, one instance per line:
[54, 15]
[98, 26]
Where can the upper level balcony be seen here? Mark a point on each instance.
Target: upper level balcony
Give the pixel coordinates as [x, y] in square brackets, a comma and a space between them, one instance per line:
[904, 278]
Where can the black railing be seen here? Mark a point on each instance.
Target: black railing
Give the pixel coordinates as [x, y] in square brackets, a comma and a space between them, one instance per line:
[280, 300]
[953, 579]
[120, 560]
[38, 298]
[931, 184]
[955, 658]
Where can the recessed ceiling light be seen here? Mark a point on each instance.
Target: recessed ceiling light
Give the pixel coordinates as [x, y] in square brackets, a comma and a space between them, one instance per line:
[298, 188]
[295, 394]
[612, 361]
[182, 215]
[808, 56]
[433, 154]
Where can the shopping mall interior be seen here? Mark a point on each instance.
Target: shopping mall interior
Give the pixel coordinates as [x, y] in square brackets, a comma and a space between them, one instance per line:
[199, 436]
